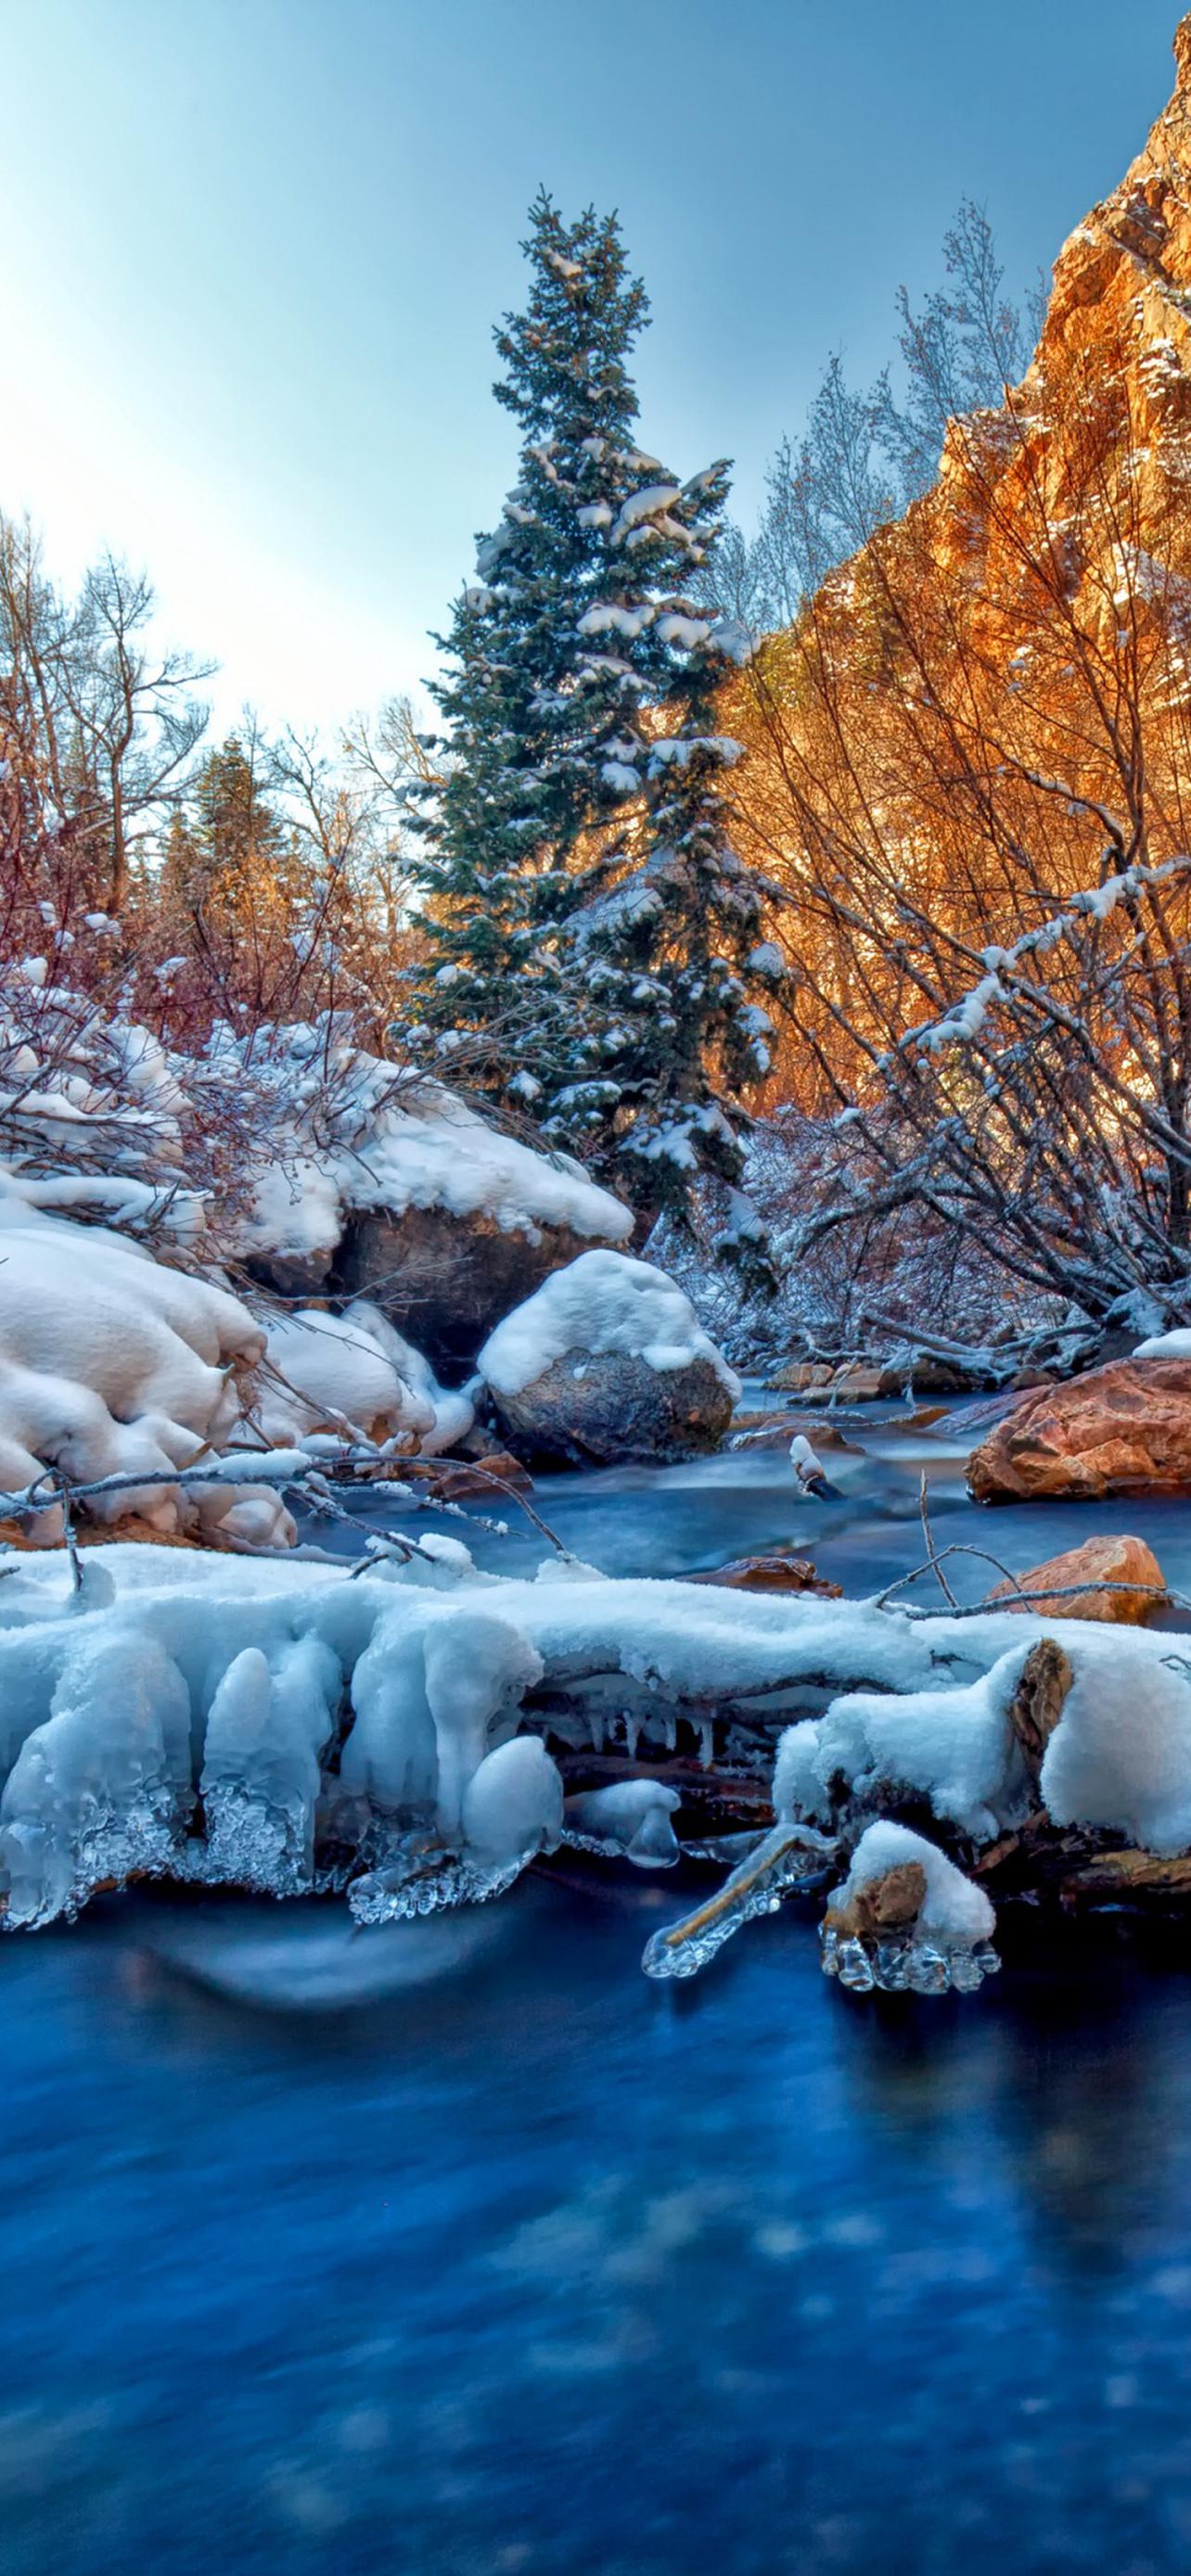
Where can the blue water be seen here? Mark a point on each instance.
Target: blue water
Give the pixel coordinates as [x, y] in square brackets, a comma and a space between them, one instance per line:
[460, 2248]
[536, 2267]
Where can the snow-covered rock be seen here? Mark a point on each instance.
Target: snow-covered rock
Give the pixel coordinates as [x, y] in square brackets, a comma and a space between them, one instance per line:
[394, 1190]
[608, 1360]
[951, 1907]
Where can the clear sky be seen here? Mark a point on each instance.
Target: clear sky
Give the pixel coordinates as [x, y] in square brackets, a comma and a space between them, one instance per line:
[251, 252]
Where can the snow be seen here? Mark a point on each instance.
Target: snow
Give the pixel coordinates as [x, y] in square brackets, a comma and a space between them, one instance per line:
[173, 1672]
[654, 500]
[394, 1145]
[603, 1302]
[336, 1377]
[954, 1744]
[113, 1365]
[676, 750]
[1175, 1345]
[952, 1910]
[1121, 1752]
[605, 618]
[353, 1373]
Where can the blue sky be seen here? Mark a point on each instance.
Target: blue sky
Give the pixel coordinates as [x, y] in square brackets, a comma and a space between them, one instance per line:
[253, 250]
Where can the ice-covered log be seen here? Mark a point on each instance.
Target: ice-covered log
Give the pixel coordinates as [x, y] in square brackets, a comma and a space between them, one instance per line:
[272, 1722]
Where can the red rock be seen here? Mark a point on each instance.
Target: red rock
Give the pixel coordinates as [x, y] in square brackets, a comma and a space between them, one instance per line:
[1100, 1560]
[1123, 1429]
[770, 1574]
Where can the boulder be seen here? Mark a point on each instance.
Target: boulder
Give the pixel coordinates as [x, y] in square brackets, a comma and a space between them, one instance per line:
[1123, 1429]
[608, 1361]
[446, 1280]
[1125, 1561]
[595, 1409]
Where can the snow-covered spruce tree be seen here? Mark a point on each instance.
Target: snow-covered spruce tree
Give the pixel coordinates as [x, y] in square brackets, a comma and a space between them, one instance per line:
[673, 951]
[533, 714]
[560, 656]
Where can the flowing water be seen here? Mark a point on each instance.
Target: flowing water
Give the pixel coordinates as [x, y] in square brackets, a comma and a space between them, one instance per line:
[460, 2248]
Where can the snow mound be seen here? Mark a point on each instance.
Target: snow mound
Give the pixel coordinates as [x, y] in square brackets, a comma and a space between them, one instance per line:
[601, 1303]
[353, 1374]
[113, 1365]
[954, 1745]
[1175, 1345]
[1121, 1752]
[952, 1909]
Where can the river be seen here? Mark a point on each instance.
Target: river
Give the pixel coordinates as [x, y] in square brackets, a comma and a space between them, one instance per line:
[462, 2249]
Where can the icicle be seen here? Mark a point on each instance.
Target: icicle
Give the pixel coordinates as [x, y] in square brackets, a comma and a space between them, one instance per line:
[908, 1962]
[706, 1735]
[790, 1856]
[630, 1821]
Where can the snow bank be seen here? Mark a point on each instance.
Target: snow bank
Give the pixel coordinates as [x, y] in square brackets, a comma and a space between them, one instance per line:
[111, 1364]
[1175, 1345]
[603, 1302]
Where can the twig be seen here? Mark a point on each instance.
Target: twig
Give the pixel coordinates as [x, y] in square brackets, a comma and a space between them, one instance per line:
[928, 1534]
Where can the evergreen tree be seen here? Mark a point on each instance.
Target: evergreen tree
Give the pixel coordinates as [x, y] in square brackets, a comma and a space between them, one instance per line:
[549, 655]
[583, 906]
[675, 953]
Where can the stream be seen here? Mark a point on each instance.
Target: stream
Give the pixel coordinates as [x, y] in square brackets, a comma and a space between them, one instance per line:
[460, 2248]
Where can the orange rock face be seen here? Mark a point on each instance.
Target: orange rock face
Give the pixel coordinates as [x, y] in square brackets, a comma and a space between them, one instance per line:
[1125, 1561]
[1123, 1429]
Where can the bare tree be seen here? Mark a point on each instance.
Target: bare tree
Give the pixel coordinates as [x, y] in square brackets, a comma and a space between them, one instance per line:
[969, 766]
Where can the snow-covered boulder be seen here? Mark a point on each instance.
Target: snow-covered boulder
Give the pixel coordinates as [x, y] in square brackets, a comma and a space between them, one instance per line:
[112, 1364]
[409, 1199]
[607, 1361]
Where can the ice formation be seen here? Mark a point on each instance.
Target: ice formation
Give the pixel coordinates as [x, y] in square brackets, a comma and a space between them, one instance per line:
[787, 1858]
[282, 1724]
[629, 1816]
[945, 1941]
[602, 1302]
